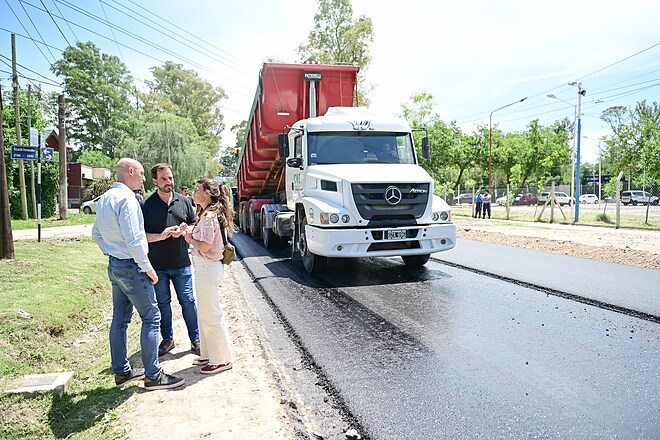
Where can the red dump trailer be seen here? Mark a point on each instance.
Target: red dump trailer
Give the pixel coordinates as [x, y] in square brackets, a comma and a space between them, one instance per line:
[282, 98]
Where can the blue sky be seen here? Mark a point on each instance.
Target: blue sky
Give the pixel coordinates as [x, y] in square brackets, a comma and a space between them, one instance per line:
[474, 56]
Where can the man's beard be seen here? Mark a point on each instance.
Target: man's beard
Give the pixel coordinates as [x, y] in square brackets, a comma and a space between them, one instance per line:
[166, 189]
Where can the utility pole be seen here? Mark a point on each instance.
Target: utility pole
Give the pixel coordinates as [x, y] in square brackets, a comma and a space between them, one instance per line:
[29, 121]
[169, 151]
[64, 197]
[6, 236]
[581, 93]
[17, 114]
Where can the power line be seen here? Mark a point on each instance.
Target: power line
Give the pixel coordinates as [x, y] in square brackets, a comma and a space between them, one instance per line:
[27, 32]
[112, 31]
[185, 31]
[620, 61]
[35, 28]
[56, 25]
[69, 26]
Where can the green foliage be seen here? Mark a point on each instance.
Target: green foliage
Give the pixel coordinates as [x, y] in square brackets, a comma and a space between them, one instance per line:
[182, 92]
[337, 37]
[172, 139]
[603, 217]
[98, 187]
[49, 170]
[96, 87]
[96, 158]
[634, 146]
[67, 332]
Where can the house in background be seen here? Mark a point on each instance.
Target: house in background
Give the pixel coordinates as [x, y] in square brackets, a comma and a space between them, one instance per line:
[79, 176]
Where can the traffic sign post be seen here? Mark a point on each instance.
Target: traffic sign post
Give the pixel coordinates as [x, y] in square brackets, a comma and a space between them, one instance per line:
[39, 188]
[23, 152]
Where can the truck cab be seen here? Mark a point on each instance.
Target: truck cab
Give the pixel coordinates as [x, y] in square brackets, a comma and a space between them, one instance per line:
[355, 189]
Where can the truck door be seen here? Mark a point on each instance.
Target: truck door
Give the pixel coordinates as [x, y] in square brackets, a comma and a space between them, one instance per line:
[294, 176]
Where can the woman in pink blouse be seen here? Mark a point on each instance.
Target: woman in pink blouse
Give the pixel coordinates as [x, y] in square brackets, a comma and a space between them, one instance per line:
[213, 209]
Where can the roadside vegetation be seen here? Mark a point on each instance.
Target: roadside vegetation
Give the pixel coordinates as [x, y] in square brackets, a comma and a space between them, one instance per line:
[72, 220]
[628, 220]
[55, 305]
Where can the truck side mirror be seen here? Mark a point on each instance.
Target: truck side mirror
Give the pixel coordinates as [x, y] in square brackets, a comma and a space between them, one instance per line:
[283, 143]
[294, 162]
[426, 148]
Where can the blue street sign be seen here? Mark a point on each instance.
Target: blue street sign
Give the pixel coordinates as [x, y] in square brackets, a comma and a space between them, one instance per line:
[22, 152]
[47, 153]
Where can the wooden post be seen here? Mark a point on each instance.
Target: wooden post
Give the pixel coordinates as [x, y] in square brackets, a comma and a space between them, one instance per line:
[17, 117]
[6, 236]
[64, 197]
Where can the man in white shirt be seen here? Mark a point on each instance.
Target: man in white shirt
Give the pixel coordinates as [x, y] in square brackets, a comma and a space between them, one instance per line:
[119, 232]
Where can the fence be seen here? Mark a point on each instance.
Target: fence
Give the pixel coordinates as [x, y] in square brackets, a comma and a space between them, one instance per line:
[634, 211]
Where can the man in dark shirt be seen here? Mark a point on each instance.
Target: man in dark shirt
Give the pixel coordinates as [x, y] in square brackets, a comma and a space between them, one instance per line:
[163, 212]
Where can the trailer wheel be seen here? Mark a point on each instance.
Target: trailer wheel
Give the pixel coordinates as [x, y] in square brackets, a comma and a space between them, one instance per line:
[255, 229]
[271, 240]
[415, 261]
[313, 263]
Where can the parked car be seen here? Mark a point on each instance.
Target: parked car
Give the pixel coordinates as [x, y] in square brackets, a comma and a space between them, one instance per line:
[589, 198]
[463, 198]
[635, 197]
[526, 199]
[562, 198]
[89, 206]
[502, 200]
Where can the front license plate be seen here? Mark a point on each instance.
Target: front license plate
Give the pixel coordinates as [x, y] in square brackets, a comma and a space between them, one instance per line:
[396, 235]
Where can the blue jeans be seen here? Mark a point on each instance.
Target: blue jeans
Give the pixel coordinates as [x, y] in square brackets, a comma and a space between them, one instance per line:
[181, 278]
[132, 288]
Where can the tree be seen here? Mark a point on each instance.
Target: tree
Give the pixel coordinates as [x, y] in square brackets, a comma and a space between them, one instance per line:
[169, 138]
[337, 37]
[97, 88]
[95, 158]
[182, 92]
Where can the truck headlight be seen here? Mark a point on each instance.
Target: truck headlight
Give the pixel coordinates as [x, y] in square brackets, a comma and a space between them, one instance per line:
[435, 216]
[334, 218]
[323, 218]
[345, 218]
[444, 216]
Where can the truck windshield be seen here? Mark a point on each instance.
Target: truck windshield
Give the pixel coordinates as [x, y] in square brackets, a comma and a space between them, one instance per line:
[359, 147]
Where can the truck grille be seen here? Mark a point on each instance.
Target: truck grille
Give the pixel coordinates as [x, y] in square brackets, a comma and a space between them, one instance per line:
[407, 201]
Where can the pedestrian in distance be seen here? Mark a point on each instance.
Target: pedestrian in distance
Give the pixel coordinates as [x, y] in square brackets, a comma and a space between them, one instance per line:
[164, 211]
[486, 204]
[119, 232]
[477, 205]
[186, 192]
[139, 195]
[206, 237]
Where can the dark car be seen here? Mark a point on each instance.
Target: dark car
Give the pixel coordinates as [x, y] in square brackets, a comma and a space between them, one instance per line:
[462, 198]
[526, 199]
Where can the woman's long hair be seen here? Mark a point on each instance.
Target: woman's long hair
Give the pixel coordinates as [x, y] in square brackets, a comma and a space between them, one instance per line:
[219, 204]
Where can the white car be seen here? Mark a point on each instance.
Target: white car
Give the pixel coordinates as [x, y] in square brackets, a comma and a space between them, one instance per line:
[89, 206]
[561, 197]
[589, 198]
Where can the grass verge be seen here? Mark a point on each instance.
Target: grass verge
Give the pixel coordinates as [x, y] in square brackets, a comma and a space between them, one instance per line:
[72, 220]
[63, 285]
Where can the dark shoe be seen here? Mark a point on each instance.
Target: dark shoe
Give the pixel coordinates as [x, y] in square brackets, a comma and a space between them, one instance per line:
[211, 369]
[164, 382]
[135, 373]
[194, 347]
[165, 347]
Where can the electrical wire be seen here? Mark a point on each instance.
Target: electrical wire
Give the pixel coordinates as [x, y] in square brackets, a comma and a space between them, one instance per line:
[69, 26]
[56, 25]
[112, 32]
[27, 32]
[36, 28]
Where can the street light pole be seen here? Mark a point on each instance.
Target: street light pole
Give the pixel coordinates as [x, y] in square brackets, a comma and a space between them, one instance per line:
[572, 191]
[581, 93]
[490, 154]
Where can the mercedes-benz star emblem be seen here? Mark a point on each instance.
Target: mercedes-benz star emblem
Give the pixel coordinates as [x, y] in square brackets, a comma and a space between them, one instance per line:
[393, 195]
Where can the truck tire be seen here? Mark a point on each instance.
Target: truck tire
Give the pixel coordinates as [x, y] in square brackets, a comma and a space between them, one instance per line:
[269, 238]
[313, 263]
[255, 228]
[415, 261]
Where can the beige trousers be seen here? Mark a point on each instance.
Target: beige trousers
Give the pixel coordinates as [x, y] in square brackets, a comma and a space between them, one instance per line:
[213, 336]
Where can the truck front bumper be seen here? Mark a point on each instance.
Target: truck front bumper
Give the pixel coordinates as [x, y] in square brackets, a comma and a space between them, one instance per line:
[348, 243]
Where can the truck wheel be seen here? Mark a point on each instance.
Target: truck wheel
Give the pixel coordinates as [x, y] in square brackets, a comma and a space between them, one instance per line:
[313, 263]
[271, 240]
[415, 261]
[255, 228]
